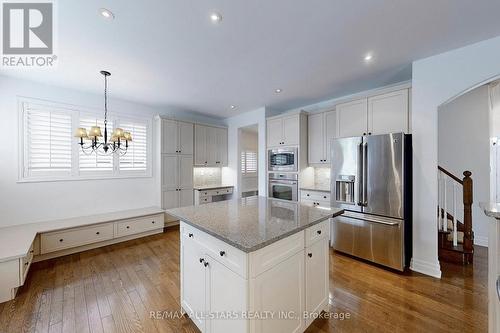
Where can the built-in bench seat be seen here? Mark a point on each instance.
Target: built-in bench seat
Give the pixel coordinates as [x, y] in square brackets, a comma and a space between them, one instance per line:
[23, 244]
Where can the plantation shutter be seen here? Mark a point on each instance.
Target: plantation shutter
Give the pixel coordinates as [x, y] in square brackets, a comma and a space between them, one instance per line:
[136, 157]
[48, 140]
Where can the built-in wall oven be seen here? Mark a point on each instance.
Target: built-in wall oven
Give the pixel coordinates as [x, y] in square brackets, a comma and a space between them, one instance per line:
[283, 159]
[283, 186]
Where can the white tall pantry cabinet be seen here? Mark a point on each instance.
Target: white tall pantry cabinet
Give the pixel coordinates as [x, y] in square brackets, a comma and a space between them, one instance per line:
[176, 163]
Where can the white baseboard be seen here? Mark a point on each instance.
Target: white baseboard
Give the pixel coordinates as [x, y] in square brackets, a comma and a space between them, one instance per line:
[481, 240]
[425, 267]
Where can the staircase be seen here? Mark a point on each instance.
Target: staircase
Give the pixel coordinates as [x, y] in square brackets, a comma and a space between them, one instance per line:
[455, 238]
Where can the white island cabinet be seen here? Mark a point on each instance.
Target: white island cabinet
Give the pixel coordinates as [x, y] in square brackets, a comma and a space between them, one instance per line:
[271, 275]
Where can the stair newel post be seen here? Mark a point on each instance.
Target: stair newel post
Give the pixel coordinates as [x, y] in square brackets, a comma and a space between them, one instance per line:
[467, 190]
[440, 194]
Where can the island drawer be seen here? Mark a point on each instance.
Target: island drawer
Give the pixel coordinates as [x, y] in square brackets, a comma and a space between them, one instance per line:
[205, 200]
[317, 232]
[227, 255]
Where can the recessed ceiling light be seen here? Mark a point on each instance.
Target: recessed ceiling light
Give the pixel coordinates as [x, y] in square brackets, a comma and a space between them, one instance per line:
[278, 90]
[106, 13]
[368, 57]
[215, 17]
[233, 107]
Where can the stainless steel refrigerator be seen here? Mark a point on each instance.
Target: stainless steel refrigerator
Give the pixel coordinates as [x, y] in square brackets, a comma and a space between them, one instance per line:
[371, 180]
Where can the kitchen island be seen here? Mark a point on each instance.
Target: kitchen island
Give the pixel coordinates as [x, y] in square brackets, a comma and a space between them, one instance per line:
[254, 264]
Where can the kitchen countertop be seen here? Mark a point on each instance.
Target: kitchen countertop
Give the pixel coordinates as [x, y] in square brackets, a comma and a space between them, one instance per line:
[254, 222]
[15, 241]
[210, 187]
[491, 209]
[316, 188]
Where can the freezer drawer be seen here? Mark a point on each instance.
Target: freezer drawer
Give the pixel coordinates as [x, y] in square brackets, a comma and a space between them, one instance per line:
[380, 241]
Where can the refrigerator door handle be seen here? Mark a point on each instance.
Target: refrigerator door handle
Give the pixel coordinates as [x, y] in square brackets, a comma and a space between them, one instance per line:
[360, 174]
[365, 174]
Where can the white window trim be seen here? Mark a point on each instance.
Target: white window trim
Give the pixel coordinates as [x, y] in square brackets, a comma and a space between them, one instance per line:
[76, 175]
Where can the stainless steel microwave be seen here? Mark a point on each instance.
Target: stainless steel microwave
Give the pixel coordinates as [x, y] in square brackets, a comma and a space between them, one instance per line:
[283, 159]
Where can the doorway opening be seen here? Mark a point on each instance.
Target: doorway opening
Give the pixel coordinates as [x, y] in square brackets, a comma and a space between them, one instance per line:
[248, 164]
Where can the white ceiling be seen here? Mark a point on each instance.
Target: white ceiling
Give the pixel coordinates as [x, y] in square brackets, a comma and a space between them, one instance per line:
[167, 52]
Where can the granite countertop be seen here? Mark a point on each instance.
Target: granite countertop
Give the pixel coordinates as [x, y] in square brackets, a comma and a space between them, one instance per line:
[210, 187]
[318, 188]
[254, 222]
[491, 209]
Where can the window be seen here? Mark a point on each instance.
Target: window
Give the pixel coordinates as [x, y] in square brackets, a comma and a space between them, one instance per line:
[48, 142]
[136, 157]
[50, 152]
[248, 162]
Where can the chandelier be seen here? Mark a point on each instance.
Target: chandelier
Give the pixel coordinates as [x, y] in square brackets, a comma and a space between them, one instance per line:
[119, 140]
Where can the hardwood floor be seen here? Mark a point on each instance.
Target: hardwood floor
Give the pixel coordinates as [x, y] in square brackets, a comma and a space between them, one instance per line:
[114, 288]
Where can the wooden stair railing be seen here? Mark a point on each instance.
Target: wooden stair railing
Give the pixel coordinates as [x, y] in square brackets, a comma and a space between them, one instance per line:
[451, 250]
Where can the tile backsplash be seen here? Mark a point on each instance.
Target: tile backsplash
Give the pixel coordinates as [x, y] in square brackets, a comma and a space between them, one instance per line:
[207, 176]
[322, 177]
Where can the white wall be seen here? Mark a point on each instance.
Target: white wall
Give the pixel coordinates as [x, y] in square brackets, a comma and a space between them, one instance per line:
[31, 202]
[436, 80]
[230, 174]
[463, 144]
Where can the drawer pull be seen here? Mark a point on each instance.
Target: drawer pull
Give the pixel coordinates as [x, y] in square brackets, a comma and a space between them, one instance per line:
[318, 232]
[61, 240]
[310, 255]
[307, 194]
[153, 222]
[324, 197]
[97, 233]
[190, 235]
[26, 263]
[222, 253]
[128, 227]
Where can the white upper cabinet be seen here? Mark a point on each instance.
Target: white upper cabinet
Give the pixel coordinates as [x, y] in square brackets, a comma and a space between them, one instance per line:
[352, 118]
[210, 146]
[222, 146]
[200, 145]
[322, 128]
[177, 137]
[283, 131]
[380, 114]
[274, 132]
[388, 113]
[316, 138]
[185, 138]
[330, 132]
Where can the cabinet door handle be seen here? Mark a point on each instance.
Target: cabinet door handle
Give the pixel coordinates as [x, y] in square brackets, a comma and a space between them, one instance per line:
[319, 232]
[61, 240]
[26, 263]
[307, 194]
[202, 260]
[97, 233]
[128, 227]
[32, 251]
[324, 197]
[498, 287]
[364, 133]
[190, 235]
[205, 264]
[310, 255]
[153, 222]
[222, 253]
[369, 133]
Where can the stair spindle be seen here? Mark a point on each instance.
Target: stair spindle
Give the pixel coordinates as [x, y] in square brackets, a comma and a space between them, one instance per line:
[455, 236]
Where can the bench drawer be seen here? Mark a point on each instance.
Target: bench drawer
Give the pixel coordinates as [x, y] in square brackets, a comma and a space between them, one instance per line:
[136, 226]
[60, 240]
